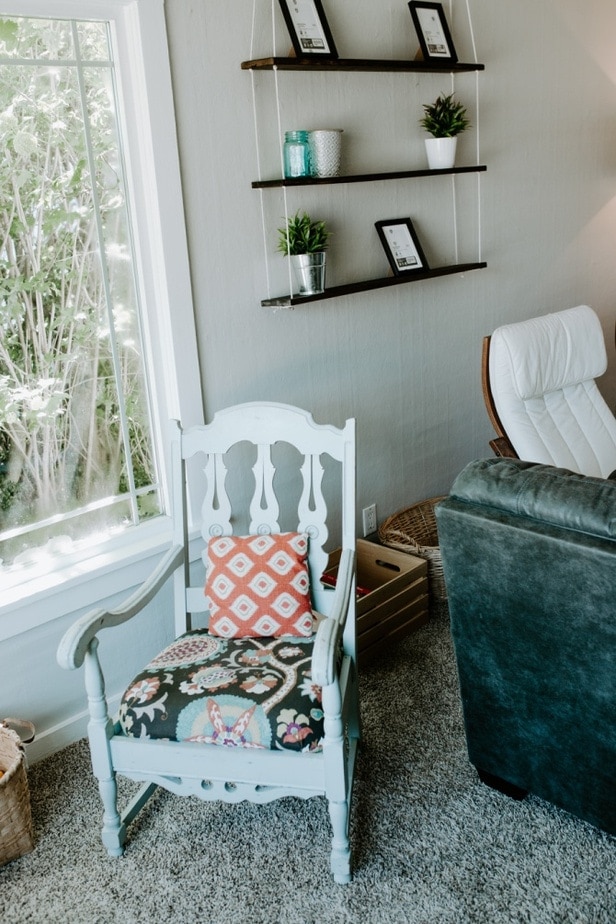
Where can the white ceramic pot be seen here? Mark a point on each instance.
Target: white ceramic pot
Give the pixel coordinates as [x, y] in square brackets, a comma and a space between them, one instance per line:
[441, 153]
[309, 269]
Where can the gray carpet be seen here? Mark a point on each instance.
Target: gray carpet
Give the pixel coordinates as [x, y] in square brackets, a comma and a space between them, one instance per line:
[432, 844]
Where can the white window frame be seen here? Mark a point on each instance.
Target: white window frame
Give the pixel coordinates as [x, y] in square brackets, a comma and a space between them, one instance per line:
[147, 119]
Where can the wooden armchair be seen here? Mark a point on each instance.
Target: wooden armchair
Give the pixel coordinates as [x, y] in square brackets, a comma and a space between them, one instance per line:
[262, 703]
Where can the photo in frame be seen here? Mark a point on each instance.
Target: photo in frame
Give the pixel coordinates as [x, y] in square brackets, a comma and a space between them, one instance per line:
[401, 245]
[432, 31]
[308, 28]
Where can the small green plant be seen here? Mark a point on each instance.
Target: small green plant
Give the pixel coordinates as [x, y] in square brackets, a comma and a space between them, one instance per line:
[445, 117]
[302, 235]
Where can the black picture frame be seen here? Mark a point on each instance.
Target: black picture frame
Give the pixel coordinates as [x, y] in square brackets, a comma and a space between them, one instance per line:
[401, 244]
[433, 32]
[309, 29]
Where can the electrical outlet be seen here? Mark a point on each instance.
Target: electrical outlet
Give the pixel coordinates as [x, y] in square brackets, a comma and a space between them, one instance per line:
[369, 519]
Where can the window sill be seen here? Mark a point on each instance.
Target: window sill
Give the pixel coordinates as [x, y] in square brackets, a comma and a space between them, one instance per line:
[31, 599]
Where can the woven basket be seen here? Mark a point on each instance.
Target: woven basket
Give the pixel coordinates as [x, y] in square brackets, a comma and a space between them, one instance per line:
[413, 530]
[16, 832]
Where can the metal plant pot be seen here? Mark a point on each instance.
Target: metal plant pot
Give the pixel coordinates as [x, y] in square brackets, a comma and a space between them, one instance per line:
[309, 269]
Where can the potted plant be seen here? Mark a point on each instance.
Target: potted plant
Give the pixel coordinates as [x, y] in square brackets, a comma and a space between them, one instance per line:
[305, 241]
[444, 119]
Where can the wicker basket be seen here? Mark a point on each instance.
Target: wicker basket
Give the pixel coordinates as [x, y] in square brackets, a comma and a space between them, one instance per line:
[413, 530]
[16, 832]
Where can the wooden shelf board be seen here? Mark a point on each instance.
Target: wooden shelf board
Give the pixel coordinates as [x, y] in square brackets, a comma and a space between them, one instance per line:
[362, 177]
[290, 301]
[357, 64]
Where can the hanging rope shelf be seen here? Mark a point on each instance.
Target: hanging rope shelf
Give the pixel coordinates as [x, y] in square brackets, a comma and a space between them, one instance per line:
[276, 64]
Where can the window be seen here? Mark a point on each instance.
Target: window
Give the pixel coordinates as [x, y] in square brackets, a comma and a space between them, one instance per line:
[92, 253]
[76, 453]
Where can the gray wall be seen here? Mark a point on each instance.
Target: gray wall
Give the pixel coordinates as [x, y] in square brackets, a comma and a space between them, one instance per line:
[404, 361]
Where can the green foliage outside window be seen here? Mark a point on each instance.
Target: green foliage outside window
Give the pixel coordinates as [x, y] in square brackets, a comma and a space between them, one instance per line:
[74, 419]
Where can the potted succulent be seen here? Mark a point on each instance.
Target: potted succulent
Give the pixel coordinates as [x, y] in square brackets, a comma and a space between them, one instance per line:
[444, 119]
[305, 241]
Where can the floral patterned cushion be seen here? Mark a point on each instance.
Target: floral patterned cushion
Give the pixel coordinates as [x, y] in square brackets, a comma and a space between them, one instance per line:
[257, 586]
[252, 693]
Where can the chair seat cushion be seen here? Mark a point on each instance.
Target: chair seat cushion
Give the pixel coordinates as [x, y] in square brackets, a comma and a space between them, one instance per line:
[240, 692]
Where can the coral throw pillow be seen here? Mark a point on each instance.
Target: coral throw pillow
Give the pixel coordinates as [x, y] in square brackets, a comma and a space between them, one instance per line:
[257, 586]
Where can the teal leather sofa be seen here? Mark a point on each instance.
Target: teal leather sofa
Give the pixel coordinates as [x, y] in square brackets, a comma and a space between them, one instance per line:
[529, 558]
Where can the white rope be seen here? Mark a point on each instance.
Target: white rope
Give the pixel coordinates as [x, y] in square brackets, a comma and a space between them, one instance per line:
[273, 28]
[264, 228]
[455, 219]
[479, 257]
[477, 135]
[477, 130]
[478, 152]
[470, 29]
[260, 177]
[286, 219]
[280, 133]
[252, 29]
[284, 189]
[255, 121]
[453, 179]
[265, 254]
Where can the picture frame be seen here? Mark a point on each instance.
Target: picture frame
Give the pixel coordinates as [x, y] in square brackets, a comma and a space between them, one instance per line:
[309, 29]
[401, 244]
[433, 32]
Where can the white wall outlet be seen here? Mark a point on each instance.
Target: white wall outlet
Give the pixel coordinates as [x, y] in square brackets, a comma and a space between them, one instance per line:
[369, 519]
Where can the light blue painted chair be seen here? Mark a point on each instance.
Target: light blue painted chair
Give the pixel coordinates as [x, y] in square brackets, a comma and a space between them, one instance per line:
[242, 718]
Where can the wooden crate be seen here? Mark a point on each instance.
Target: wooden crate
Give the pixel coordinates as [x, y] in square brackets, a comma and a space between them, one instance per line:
[392, 598]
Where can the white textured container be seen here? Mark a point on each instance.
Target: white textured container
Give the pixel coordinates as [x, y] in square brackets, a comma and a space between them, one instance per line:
[325, 151]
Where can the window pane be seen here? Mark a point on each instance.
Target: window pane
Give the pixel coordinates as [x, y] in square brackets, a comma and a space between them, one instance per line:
[93, 44]
[74, 412]
[36, 38]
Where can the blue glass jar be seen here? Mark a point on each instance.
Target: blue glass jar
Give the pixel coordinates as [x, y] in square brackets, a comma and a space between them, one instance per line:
[296, 154]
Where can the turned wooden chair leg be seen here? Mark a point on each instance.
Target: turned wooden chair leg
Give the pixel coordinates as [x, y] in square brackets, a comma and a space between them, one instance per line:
[341, 851]
[337, 795]
[99, 731]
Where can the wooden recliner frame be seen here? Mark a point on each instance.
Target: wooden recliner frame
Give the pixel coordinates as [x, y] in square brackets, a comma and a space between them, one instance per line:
[501, 446]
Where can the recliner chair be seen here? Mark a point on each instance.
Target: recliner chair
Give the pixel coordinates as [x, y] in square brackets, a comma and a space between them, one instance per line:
[539, 389]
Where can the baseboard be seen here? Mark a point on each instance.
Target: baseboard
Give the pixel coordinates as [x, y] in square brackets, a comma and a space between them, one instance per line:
[50, 740]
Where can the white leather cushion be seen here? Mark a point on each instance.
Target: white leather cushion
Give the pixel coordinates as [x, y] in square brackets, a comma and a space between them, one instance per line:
[542, 380]
[549, 353]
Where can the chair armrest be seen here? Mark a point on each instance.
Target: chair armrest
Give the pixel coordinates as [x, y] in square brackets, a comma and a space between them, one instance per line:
[553, 496]
[502, 447]
[75, 642]
[329, 632]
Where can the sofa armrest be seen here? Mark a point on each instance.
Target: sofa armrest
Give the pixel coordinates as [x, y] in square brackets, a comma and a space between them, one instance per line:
[551, 495]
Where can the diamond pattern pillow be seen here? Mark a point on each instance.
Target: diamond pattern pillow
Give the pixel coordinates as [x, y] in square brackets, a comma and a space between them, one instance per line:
[257, 586]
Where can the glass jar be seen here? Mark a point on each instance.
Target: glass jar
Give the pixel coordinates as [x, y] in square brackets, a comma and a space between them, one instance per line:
[296, 154]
